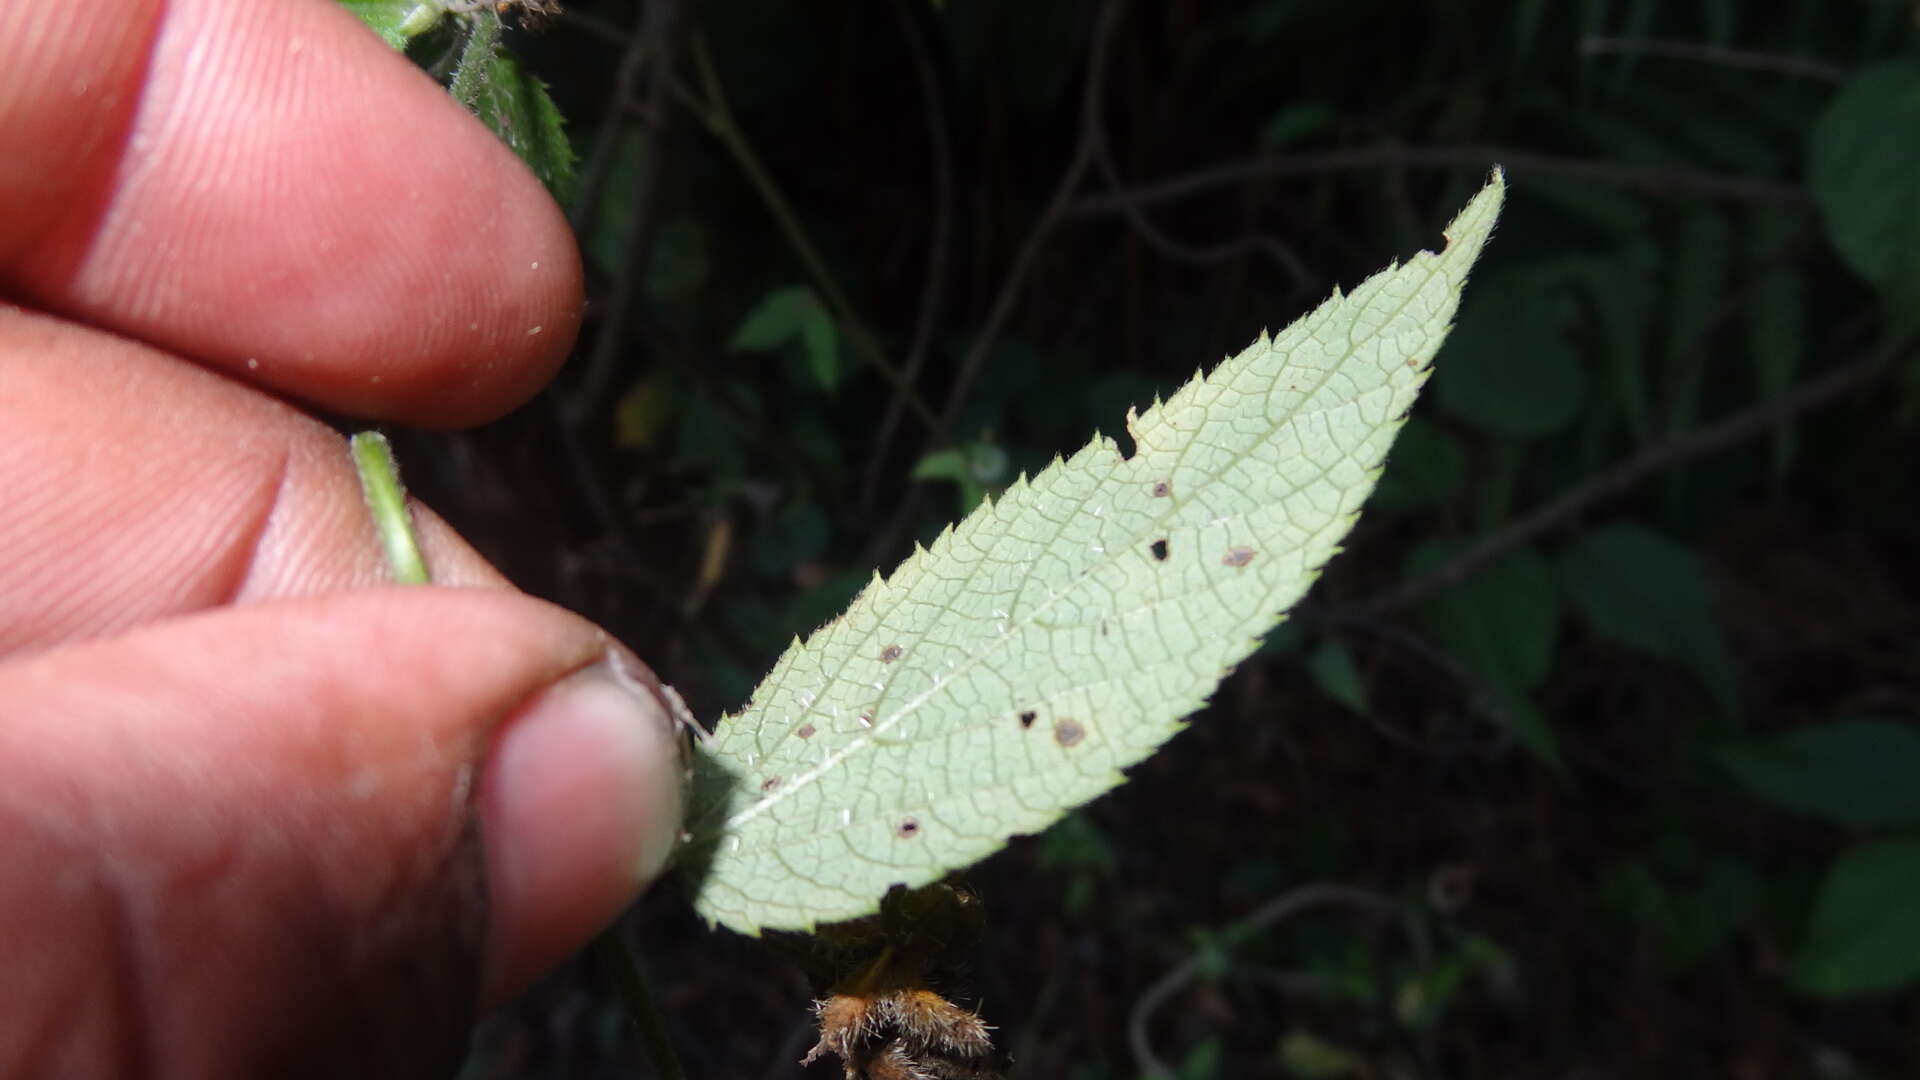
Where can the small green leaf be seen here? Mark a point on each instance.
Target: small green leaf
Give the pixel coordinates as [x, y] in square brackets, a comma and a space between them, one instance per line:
[1509, 367]
[1862, 936]
[1641, 589]
[1309, 1057]
[1501, 625]
[773, 322]
[1202, 1061]
[976, 467]
[1010, 671]
[1296, 122]
[642, 415]
[1861, 166]
[820, 338]
[1334, 672]
[1860, 771]
[788, 313]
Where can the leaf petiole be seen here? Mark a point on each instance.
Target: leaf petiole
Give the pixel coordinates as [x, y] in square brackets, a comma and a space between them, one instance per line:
[387, 501]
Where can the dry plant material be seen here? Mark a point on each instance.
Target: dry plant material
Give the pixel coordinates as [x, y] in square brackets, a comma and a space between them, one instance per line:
[885, 1012]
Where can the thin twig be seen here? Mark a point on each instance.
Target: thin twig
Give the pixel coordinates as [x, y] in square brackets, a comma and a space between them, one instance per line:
[1653, 179]
[620, 964]
[1278, 910]
[1600, 45]
[1056, 211]
[934, 291]
[657, 36]
[714, 111]
[1812, 394]
[584, 214]
[885, 539]
[1174, 250]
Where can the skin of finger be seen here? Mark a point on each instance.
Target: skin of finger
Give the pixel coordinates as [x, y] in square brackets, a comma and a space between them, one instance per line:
[239, 844]
[140, 486]
[265, 186]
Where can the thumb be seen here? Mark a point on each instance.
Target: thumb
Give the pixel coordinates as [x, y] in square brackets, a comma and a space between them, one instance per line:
[295, 838]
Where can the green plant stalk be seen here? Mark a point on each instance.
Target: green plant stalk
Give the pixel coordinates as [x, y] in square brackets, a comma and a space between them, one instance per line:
[387, 501]
[476, 56]
[620, 966]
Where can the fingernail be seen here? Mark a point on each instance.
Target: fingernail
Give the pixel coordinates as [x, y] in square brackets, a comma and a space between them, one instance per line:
[579, 806]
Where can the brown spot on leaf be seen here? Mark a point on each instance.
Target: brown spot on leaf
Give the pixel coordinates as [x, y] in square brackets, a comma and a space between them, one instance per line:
[806, 731]
[769, 784]
[1026, 718]
[891, 653]
[1162, 489]
[1068, 732]
[1159, 549]
[1237, 556]
[907, 829]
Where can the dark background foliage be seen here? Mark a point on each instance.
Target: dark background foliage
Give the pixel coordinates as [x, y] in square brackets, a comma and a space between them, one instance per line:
[1596, 753]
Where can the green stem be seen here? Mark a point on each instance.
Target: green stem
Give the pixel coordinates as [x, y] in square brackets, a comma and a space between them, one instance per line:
[471, 74]
[622, 968]
[387, 500]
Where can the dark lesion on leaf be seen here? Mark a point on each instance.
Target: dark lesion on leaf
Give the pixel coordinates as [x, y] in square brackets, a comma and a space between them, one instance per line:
[769, 784]
[1237, 556]
[1162, 489]
[806, 731]
[886, 1008]
[1068, 732]
[907, 829]
[891, 653]
[1027, 717]
[1159, 549]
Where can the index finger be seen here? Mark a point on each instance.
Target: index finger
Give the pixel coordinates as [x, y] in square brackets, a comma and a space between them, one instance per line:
[267, 188]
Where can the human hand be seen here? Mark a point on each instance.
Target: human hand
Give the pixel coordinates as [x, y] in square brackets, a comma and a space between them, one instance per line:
[261, 814]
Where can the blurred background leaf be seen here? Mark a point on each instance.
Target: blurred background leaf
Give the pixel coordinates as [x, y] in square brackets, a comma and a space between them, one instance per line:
[1857, 771]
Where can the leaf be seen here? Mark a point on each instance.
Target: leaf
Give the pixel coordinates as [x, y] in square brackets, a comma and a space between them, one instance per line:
[1307, 1056]
[1861, 167]
[974, 468]
[1641, 589]
[1692, 904]
[1501, 624]
[1296, 122]
[513, 104]
[1862, 936]
[820, 340]
[1858, 771]
[1335, 673]
[1510, 368]
[787, 313]
[1010, 671]
[773, 322]
[1621, 296]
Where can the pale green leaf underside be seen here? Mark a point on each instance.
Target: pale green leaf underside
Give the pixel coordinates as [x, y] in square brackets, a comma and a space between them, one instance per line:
[1010, 671]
